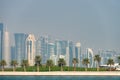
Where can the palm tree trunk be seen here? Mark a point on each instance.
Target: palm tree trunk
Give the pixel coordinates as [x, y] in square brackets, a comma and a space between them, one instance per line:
[61, 68]
[2, 68]
[24, 69]
[13, 68]
[97, 67]
[86, 68]
[74, 67]
[37, 68]
[110, 67]
[49, 68]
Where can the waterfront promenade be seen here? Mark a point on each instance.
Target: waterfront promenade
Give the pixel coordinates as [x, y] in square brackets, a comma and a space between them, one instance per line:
[64, 73]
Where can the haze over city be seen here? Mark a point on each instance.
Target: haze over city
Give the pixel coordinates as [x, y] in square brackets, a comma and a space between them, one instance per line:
[94, 23]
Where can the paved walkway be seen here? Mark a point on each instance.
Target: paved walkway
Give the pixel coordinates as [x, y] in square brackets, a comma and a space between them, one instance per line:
[58, 73]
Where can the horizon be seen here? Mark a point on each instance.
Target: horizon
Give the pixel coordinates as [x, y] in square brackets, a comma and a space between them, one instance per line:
[95, 24]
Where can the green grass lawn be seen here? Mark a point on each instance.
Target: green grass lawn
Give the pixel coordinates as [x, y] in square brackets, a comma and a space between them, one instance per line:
[54, 68]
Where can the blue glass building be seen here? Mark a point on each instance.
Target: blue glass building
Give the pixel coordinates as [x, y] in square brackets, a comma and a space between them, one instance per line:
[20, 39]
[1, 40]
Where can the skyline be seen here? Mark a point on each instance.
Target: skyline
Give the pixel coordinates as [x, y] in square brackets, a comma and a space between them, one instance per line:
[27, 47]
[94, 24]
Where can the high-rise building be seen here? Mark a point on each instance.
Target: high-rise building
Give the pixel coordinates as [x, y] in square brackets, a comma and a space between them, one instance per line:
[44, 48]
[71, 53]
[64, 47]
[30, 49]
[78, 54]
[38, 47]
[13, 53]
[105, 55]
[1, 40]
[6, 48]
[51, 49]
[20, 50]
[90, 56]
[67, 56]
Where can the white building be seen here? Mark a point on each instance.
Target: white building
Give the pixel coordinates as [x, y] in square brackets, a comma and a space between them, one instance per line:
[78, 53]
[67, 56]
[30, 49]
[54, 59]
[90, 56]
[6, 48]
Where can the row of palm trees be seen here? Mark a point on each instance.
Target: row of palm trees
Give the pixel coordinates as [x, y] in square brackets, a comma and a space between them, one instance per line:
[61, 63]
[14, 64]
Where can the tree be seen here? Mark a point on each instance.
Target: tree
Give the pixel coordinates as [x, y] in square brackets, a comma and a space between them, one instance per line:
[75, 61]
[37, 62]
[3, 64]
[86, 62]
[110, 62]
[49, 63]
[97, 58]
[14, 64]
[118, 59]
[61, 63]
[24, 64]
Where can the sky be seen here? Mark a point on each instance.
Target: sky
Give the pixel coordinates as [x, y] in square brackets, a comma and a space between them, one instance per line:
[93, 23]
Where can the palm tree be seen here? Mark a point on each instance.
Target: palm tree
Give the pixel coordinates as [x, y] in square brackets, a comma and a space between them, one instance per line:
[86, 62]
[75, 61]
[24, 64]
[118, 59]
[14, 64]
[97, 58]
[61, 63]
[49, 63]
[3, 64]
[110, 62]
[37, 62]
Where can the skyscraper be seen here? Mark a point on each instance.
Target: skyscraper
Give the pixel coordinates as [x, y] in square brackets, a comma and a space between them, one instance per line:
[67, 56]
[71, 53]
[6, 48]
[30, 49]
[13, 53]
[38, 47]
[44, 48]
[1, 40]
[65, 48]
[90, 56]
[20, 39]
[51, 49]
[78, 54]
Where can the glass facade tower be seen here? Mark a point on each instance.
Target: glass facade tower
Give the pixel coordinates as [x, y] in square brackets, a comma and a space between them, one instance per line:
[1, 40]
[20, 39]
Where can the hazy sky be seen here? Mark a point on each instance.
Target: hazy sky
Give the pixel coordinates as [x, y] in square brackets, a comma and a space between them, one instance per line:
[95, 23]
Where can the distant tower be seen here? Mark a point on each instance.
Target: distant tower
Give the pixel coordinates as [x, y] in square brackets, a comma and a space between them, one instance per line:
[38, 47]
[44, 48]
[67, 56]
[20, 39]
[6, 48]
[51, 49]
[30, 49]
[78, 53]
[1, 40]
[90, 56]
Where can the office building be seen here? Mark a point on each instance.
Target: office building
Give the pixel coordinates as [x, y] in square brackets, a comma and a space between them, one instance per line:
[90, 56]
[1, 40]
[30, 49]
[78, 54]
[6, 48]
[20, 49]
[44, 40]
